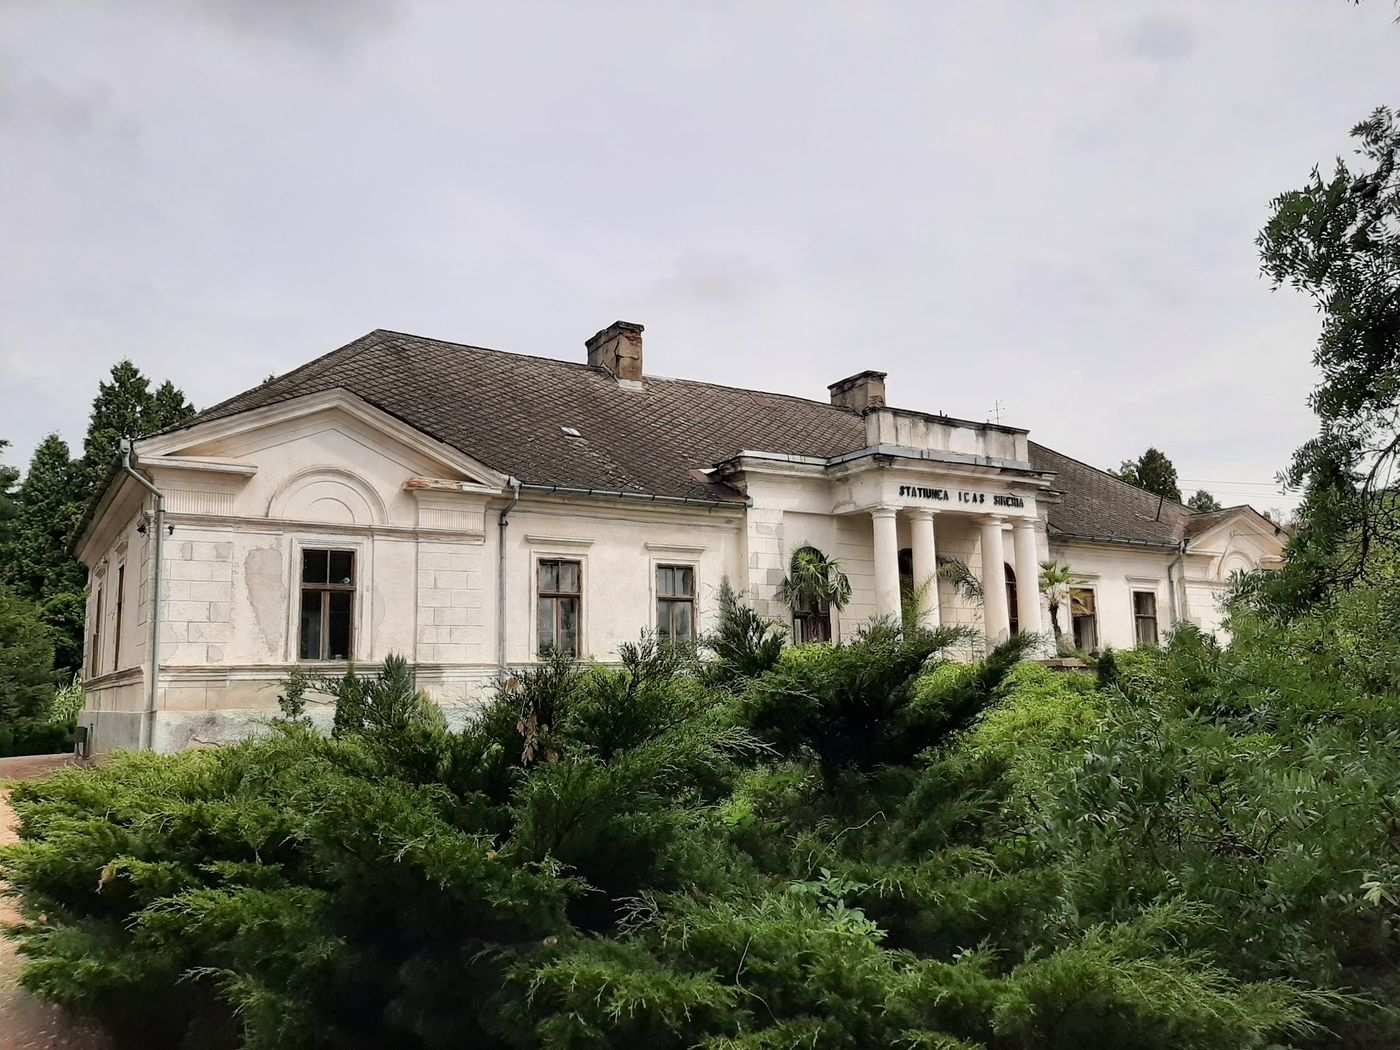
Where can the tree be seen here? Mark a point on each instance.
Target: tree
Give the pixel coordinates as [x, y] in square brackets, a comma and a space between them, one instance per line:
[119, 412]
[814, 584]
[745, 644]
[1152, 471]
[34, 558]
[169, 407]
[36, 561]
[8, 507]
[38, 521]
[1202, 502]
[125, 408]
[1055, 578]
[1338, 241]
[26, 661]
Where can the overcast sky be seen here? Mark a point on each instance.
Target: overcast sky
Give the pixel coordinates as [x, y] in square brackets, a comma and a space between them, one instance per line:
[1047, 205]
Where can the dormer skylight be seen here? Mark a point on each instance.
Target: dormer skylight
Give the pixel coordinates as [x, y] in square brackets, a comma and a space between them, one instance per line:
[570, 432]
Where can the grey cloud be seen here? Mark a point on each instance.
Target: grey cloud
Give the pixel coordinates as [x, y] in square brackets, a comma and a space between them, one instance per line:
[1160, 38]
[36, 102]
[1052, 207]
[713, 280]
[329, 24]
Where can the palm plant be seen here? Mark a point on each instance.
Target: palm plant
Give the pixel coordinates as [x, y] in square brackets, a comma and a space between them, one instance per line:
[963, 579]
[814, 583]
[1055, 579]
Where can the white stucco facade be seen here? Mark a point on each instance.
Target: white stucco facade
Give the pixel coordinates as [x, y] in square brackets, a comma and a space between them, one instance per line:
[447, 550]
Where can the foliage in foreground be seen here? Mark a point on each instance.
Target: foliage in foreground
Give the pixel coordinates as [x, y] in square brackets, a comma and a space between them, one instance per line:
[838, 846]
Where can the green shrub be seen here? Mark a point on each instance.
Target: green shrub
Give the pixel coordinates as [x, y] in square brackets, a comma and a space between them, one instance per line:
[68, 701]
[34, 737]
[836, 846]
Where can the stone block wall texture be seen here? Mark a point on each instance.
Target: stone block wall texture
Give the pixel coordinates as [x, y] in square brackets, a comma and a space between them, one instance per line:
[452, 588]
[196, 622]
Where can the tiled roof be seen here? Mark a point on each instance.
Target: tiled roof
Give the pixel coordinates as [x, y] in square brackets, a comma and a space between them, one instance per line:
[1203, 521]
[1094, 505]
[508, 410]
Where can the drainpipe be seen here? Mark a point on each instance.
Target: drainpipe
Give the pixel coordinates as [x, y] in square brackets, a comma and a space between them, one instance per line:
[1178, 586]
[158, 536]
[501, 669]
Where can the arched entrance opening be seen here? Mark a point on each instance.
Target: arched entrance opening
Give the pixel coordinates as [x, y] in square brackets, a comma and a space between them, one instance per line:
[1011, 611]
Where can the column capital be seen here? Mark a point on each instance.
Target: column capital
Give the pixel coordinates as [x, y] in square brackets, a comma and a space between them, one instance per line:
[884, 510]
[989, 519]
[920, 513]
[1023, 523]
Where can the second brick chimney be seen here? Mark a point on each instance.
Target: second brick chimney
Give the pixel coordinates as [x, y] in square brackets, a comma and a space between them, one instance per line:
[618, 348]
[859, 392]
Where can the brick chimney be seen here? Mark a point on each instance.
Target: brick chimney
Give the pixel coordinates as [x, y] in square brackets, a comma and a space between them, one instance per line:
[859, 392]
[618, 348]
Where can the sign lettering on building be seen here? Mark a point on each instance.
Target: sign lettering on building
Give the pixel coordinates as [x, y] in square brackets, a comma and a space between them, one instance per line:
[959, 496]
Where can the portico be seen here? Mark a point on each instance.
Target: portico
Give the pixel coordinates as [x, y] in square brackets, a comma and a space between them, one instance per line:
[993, 550]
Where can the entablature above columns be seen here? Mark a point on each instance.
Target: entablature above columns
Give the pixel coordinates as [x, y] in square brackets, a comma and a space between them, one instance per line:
[1011, 497]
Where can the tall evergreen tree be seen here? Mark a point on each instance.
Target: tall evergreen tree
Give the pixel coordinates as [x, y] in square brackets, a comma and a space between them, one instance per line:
[8, 507]
[126, 408]
[26, 661]
[47, 508]
[168, 407]
[34, 559]
[50, 502]
[1203, 501]
[119, 412]
[1152, 471]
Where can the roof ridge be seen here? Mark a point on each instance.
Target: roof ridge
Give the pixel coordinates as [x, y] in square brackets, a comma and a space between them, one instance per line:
[584, 366]
[580, 365]
[364, 344]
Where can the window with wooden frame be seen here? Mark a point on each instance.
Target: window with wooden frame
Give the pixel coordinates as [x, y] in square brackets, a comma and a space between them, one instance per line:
[1145, 617]
[327, 604]
[117, 627]
[95, 642]
[1084, 617]
[675, 603]
[559, 605]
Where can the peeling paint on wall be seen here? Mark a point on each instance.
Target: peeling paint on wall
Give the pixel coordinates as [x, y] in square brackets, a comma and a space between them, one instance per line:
[267, 595]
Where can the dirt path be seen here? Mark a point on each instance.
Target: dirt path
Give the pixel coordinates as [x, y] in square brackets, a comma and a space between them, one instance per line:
[25, 1022]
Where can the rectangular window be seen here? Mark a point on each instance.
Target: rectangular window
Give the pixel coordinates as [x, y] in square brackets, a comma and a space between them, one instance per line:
[675, 603]
[1145, 617]
[117, 627]
[560, 596]
[327, 604]
[1085, 619]
[95, 643]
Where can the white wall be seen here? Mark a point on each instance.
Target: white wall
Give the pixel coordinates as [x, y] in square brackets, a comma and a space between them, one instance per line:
[243, 507]
[246, 495]
[1115, 573]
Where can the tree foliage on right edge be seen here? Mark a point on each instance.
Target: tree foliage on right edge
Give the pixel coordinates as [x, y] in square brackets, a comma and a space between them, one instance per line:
[1337, 239]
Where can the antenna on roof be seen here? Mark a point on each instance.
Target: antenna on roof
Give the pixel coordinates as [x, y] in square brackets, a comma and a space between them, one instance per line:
[994, 416]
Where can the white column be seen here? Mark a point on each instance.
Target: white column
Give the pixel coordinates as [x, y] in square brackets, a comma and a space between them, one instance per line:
[1027, 575]
[886, 562]
[925, 558]
[997, 618]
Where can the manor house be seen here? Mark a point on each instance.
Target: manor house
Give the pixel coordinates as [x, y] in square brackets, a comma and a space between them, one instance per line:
[471, 509]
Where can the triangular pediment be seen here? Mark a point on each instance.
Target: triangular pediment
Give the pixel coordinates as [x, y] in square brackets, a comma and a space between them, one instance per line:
[341, 427]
